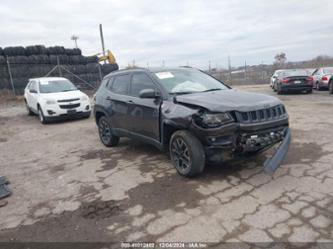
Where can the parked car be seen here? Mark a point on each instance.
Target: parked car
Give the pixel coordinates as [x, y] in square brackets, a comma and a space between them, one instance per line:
[191, 114]
[54, 99]
[321, 77]
[295, 80]
[274, 77]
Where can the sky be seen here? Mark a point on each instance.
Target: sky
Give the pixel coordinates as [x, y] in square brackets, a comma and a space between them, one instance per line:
[175, 32]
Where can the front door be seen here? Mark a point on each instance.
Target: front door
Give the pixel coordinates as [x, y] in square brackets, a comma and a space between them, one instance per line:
[145, 113]
[32, 95]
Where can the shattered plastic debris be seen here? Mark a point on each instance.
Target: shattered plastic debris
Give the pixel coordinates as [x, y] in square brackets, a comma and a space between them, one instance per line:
[4, 190]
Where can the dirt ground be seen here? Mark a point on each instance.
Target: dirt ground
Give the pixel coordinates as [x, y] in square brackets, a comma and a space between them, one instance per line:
[68, 187]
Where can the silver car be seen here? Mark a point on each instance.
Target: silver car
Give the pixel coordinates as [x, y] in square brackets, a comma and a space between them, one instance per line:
[321, 77]
[274, 77]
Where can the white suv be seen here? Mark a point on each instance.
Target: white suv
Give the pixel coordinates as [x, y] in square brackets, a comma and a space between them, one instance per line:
[55, 98]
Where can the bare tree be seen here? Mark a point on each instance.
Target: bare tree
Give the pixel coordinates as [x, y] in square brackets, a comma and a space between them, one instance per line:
[280, 59]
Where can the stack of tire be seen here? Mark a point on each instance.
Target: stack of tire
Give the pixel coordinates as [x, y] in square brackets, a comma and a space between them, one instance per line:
[37, 61]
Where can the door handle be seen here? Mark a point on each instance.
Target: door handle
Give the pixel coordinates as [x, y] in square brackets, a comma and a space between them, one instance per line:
[108, 98]
[130, 101]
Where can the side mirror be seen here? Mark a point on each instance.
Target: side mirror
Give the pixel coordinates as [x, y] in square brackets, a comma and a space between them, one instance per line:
[32, 91]
[148, 94]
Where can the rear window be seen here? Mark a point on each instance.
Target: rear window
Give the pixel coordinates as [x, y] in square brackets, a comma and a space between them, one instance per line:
[121, 84]
[290, 73]
[328, 70]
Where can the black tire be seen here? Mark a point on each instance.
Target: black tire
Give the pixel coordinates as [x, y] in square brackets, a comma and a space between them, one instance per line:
[41, 116]
[309, 91]
[274, 87]
[30, 113]
[186, 153]
[105, 133]
[330, 87]
[279, 91]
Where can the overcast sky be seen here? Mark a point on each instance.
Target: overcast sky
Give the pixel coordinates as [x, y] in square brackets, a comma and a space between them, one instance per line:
[176, 31]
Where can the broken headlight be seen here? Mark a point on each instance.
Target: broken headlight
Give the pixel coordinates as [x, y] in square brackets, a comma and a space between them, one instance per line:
[213, 120]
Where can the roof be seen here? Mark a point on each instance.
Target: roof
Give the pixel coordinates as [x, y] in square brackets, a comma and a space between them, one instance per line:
[151, 69]
[48, 78]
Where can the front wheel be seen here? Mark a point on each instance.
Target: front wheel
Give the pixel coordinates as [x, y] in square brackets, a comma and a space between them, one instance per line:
[105, 134]
[41, 116]
[186, 153]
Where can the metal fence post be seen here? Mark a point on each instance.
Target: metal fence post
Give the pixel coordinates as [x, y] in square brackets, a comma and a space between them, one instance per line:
[59, 68]
[100, 72]
[10, 76]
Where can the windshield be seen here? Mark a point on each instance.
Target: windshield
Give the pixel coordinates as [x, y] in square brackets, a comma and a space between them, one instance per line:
[56, 86]
[328, 70]
[290, 73]
[188, 81]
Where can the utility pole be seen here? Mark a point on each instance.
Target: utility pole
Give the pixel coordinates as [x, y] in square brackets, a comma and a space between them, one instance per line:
[245, 73]
[102, 40]
[229, 66]
[75, 38]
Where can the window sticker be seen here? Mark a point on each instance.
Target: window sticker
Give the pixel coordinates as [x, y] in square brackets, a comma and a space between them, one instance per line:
[164, 75]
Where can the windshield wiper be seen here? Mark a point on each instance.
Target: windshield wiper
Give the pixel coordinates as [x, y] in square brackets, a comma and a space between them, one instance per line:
[68, 90]
[182, 93]
[211, 90]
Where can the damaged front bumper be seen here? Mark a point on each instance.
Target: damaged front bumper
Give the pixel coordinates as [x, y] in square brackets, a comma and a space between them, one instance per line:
[271, 164]
[238, 141]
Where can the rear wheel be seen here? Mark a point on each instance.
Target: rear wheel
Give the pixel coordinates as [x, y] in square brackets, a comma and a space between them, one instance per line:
[330, 87]
[274, 87]
[105, 133]
[186, 153]
[309, 91]
[279, 90]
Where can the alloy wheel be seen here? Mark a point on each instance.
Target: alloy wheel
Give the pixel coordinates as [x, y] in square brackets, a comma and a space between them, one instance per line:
[105, 131]
[180, 154]
[40, 115]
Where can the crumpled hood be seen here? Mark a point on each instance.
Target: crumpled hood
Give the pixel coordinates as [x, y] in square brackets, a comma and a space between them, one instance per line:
[229, 100]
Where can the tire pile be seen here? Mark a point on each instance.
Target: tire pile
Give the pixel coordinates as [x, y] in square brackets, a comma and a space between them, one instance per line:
[36, 61]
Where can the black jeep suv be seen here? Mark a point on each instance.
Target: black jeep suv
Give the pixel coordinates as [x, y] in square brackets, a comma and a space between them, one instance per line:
[191, 114]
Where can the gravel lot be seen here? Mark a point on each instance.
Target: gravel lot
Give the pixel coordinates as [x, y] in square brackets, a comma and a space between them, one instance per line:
[68, 187]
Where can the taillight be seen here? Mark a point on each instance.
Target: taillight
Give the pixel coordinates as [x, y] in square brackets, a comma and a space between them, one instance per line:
[324, 78]
[285, 80]
[309, 78]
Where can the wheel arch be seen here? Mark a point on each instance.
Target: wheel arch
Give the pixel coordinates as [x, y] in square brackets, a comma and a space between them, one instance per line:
[168, 128]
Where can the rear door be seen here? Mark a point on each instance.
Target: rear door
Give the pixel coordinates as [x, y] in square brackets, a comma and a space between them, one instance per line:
[145, 113]
[118, 100]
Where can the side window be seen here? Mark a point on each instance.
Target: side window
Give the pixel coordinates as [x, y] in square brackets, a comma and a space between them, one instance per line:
[121, 84]
[106, 82]
[141, 81]
[33, 86]
[109, 84]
